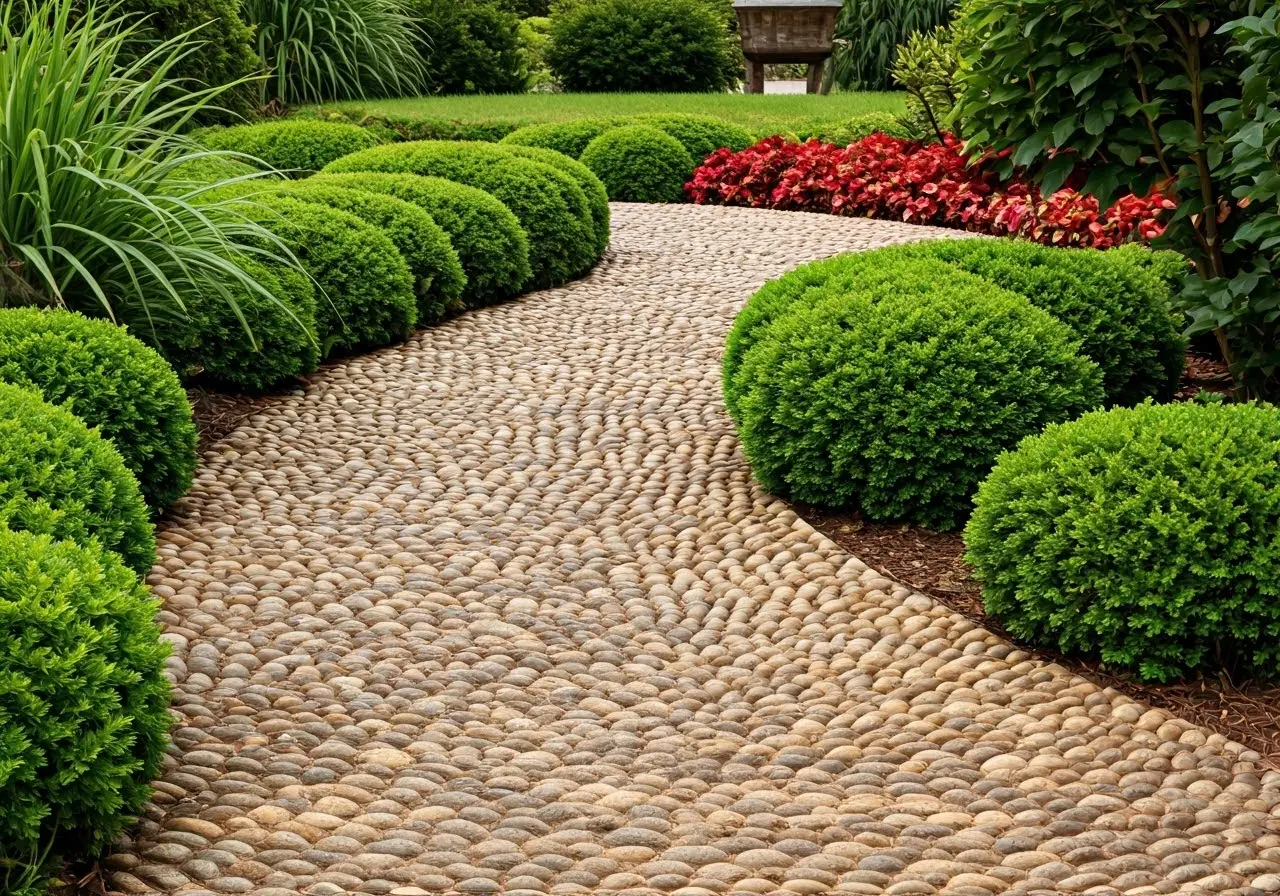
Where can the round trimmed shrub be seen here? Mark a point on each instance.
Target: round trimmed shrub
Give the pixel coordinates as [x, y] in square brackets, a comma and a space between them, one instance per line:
[562, 242]
[862, 126]
[296, 146]
[281, 341]
[111, 381]
[639, 164]
[568, 137]
[620, 46]
[897, 397]
[592, 188]
[1122, 314]
[84, 704]
[700, 135]
[491, 246]
[1147, 536]
[425, 247]
[60, 478]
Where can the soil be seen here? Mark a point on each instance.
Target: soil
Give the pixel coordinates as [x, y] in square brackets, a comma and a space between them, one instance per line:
[933, 563]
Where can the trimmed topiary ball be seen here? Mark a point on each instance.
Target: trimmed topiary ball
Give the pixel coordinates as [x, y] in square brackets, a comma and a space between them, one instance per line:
[296, 146]
[897, 397]
[861, 126]
[425, 247]
[1147, 536]
[280, 343]
[639, 164]
[84, 704]
[700, 135]
[592, 188]
[110, 380]
[60, 478]
[549, 204]
[568, 137]
[491, 245]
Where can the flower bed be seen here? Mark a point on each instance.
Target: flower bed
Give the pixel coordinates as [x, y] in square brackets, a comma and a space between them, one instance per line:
[888, 177]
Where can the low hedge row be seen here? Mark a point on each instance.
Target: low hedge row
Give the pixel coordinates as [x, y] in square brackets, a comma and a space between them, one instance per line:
[296, 146]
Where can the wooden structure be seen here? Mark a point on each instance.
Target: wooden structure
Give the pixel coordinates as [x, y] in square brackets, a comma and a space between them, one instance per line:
[786, 31]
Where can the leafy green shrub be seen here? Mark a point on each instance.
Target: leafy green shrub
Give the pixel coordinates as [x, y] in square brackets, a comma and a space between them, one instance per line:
[111, 381]
[1148, 536]
[493, 250]
[318, 50]
[87, 151]
[869, 32]
[84, 704]
[592, 188]
[297, 146]
[639, 164]
[470, 46]
[860, 126]
[60, 478]
[1121, 313]
[663, 46]
[425, 247]
[927, 67]
[897, 397]
[392, 128]
[567, 137]
[534, 36]
[254, 344]
[700, 135]
[562, 244]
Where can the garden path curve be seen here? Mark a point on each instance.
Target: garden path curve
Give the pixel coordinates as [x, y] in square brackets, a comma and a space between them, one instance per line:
[501, 611]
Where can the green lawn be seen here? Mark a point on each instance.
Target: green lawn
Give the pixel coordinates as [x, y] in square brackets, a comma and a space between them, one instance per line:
[768, 113]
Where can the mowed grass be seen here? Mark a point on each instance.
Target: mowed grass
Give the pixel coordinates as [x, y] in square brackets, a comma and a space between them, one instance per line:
[759, 113]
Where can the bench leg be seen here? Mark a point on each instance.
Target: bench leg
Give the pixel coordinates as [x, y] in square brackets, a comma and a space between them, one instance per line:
[815, 77]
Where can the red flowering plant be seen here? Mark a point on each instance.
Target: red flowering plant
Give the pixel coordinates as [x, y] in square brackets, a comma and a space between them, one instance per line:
[887, 177]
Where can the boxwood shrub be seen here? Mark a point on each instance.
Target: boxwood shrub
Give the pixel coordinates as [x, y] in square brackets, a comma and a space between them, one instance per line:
[83, 699]
[859, 126]
[700, 135]
[425, 247]
[562, 243]
[567, 137]
[1147, 536]
[296, 146]
[60, 478]
[592, 188]
[897, 397]
[284, 343]
[639, 164]
[112, 381]
[491, 246]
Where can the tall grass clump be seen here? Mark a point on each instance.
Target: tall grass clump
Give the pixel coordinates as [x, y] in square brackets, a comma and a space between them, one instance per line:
[318, 50]
[868, 33]
[91, 218]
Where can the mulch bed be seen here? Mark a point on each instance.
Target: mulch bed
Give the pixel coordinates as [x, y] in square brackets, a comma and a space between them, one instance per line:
[933, 563]
[218, 413]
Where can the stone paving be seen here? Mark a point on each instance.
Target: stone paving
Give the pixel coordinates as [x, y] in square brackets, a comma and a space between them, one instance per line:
[501, 611]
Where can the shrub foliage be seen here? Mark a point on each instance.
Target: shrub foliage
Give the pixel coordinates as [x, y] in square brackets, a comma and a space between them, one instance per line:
[470, 46]
[1149, 537]
[111, 381]
[567, 137]
[592, 188]
[297, 146]
[639, 164]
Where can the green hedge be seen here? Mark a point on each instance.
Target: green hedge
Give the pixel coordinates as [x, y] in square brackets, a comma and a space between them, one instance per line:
[392, 128]
[567, 137]
[60, 478]
[293, 145]
[896, 397]
[284, 341]
[112, 381]
[1147, 536]
[84, 704]
[549, 203]
[469, 46]
[639, 164]
[843, 133]
[491, 246]
[425, 247]
[592, 188]
[700, 135]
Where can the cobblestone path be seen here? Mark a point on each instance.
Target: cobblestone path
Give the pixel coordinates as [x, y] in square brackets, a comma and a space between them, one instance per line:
[501, 611]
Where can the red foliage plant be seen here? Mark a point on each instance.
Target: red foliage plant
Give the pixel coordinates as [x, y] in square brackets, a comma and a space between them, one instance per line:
[887, 177]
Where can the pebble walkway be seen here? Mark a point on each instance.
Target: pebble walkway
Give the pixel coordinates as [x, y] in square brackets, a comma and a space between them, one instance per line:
[500, 611]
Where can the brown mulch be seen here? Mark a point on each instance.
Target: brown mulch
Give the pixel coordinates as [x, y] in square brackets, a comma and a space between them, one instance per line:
[933, 563]
[218, 413]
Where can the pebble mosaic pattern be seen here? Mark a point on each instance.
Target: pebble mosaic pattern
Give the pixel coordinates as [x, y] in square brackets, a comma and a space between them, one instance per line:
[500, 611]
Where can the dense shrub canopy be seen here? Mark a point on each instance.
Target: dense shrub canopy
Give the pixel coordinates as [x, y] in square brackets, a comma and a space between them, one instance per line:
[567, 137]
[492, 248]
[281, 340]
[549, 204]
[592, 188]
[664, 46]
[84, 704]
[109, 380]
[898, 396]
[425, 247]
[861, 126]
[59, 478]
[470, 46]
[639, 164]
[297, 146]
[869, 32]
[1147, 536]
[700, 135]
